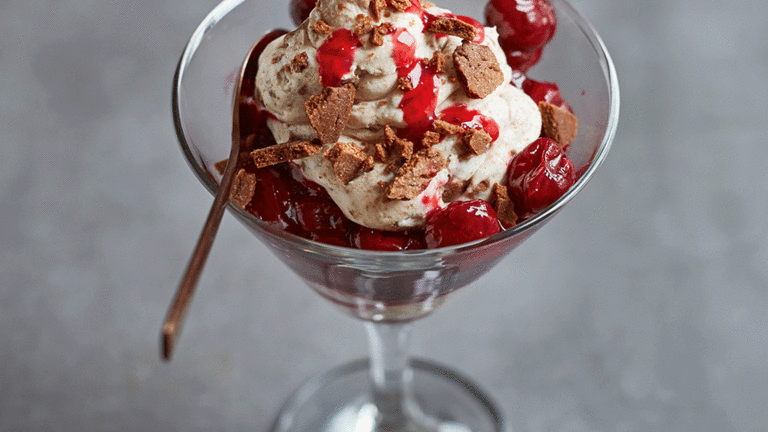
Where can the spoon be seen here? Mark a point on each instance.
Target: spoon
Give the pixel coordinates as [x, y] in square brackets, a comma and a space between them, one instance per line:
[178, 309]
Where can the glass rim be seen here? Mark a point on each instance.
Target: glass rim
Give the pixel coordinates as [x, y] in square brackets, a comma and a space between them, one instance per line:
[609, 71]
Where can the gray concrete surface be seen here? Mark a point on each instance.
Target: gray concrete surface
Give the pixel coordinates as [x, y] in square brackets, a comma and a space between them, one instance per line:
[642, 307]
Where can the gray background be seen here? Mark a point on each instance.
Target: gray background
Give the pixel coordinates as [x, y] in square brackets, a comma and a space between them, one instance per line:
[641, 307]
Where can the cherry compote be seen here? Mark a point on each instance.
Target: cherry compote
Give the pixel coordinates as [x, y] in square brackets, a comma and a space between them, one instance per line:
[460, 222]
[524, 26]
[538, 176]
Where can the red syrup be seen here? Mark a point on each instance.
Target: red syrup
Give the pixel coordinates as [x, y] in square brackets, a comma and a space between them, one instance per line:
[419, 103]
[336, 56]
[469, 118]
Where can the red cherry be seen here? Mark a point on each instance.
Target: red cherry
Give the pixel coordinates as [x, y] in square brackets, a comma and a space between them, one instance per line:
[300, 10]
[522, 61]
[538, 176]
[272, 197]
[316, 214]
[460, 222]
[542, 91]
[371, 239]
[523, 25]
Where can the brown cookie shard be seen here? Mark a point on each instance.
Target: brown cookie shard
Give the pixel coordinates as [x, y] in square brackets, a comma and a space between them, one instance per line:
[300, 62]
[243, 187]
[321, 27]
[221, 165]
[437, 62]
[502, 204]
[349, 161]
[452, 26]
[363, 24]
[416, 174]
[476, 142]
[397, 148]
[558, 124]
[430, 138]
[329, 111]
[404, 84]
[427, 5]
[285, 152]
[377, 37]
[400, 5]
[377, 7]
[443, 127]
[394, 149]
[477, 69]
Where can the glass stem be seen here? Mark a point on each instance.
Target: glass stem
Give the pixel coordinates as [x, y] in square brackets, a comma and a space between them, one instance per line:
[390, 371]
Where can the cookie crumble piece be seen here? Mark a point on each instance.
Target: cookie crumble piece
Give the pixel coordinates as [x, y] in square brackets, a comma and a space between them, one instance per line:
[243, 188]
[437, 62]
[558, 124]
[476, 141]
[477, 69]
[279, 153]
[453, 27]
[300, 62]
[503, 205]
[349, 161]
[415, 175]
[377, 7]
[320, 27]
[400, 5]
[329, 111]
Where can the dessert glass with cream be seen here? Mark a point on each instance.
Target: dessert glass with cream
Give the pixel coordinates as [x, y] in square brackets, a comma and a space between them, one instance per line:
[388, 290]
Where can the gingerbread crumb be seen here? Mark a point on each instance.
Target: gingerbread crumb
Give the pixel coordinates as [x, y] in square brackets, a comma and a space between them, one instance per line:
[401, 149]
[476, 142]
[443, 127]
[503, 205]
[404, 84]
[437, 62]
[477, 69]
[452, 26]
[427, 5]
[364, 24]
[415, 175]
[329, 111]
[400, 5]
[380, 153]
[321, 27]
[377, 38]
[377, 7]
[285, 152]
[221, 166]
[430, 138]
[243, 187]
[300, 62]
[558, 124]
[348, 161]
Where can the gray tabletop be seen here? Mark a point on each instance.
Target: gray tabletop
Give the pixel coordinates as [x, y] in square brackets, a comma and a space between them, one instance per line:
[641, 307]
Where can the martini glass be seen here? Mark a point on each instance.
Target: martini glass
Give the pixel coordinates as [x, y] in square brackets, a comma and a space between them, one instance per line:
[387, 291]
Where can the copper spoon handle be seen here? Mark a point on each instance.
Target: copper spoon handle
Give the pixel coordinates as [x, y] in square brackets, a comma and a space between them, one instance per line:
[178, 310]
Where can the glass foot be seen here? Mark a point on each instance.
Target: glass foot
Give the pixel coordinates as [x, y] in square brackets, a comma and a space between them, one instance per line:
[340, 400]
